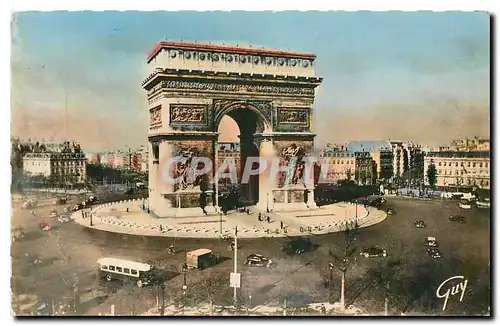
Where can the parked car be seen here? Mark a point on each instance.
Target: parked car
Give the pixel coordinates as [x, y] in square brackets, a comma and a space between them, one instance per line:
[431, 242]
[419, 224]
[391, 211]
[258, 260]
[433, 252]
[456, 218]
[77, 207]
[44, 226]
[66, 209]
[297, 246]
[373, 252]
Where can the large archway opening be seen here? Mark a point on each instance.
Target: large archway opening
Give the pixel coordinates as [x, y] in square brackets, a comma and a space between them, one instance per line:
[237, 129]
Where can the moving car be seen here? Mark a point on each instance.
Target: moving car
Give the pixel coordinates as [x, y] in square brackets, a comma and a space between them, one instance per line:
[373, 252]
[258, 260]
[456, 218]
[53, 214]
[391, 211]
[77, 207]
[419, 224]
[297, 246]
[431, 242]
[201, 258]
[66, 209]
[44, 226]
[433, 252]
[63, 219]
[18, 234]
[465, 204]
[383, 200]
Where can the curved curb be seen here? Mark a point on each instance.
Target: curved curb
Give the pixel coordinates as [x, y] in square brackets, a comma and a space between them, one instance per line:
[104, 223]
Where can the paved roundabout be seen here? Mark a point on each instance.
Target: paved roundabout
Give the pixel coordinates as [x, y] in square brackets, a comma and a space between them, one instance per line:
[128, 217]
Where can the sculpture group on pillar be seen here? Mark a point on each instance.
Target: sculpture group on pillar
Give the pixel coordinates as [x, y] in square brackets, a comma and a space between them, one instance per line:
[184, 170]
[294, 155]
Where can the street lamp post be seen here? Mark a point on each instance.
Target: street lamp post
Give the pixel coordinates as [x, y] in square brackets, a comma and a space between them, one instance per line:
[184, 287]
[330, 267]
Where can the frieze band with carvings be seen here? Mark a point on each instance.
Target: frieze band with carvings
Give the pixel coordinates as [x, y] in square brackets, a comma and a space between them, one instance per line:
[233, 88]
[188, 113]
[295, 116]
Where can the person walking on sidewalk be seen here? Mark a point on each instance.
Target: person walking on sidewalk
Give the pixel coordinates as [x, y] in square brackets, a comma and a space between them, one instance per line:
[281, 225]
[260, 217]
[268, 219]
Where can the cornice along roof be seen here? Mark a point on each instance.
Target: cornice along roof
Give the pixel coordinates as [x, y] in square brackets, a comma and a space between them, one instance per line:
[225, 48]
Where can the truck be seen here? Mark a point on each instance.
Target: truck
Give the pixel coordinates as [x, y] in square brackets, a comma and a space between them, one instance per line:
[201, 258]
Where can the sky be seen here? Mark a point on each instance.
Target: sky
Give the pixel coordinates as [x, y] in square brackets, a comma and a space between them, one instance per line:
[420, 76]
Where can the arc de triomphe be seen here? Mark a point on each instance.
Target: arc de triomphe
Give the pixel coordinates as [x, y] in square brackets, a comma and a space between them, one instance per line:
[270, 95]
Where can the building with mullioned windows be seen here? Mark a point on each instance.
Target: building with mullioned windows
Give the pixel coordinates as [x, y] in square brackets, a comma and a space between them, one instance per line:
[65, 163]
[459, 168]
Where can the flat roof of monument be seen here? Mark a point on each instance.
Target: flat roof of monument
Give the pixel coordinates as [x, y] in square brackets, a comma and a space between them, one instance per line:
[225, 48]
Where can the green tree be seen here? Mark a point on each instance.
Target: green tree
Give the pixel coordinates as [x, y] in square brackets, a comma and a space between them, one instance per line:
[432, 175]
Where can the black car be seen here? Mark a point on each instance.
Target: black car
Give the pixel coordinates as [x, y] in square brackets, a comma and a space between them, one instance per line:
[297, 246]
[419, 224]
[433, 252]
[258, 260]
[391, 211]
[456, 218]
[373, 252]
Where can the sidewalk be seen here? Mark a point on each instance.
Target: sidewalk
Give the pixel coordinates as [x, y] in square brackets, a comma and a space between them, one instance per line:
[113, 217]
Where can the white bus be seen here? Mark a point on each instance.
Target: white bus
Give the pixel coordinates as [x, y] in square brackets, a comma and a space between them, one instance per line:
[115, 268]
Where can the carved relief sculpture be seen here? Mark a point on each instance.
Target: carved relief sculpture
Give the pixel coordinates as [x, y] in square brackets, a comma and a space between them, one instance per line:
[184, 113]
[295, 155]
[184, 171]
[293, 116]
[155, 116]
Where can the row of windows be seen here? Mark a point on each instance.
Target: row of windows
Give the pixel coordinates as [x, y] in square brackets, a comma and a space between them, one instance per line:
[462, 164]
[341, 162]
[450, 172]
[120, 270]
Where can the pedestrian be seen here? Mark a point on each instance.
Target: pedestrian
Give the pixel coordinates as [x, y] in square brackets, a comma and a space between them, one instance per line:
[281, 224]
[161, 228]
[91, 221]
[268, 219]
[356, 224]
[127, 209]
[83, 215]
[260, 217]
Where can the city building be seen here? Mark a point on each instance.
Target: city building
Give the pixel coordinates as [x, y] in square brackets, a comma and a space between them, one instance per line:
[344, 166]
[93, 158]
[459, 168]
[468, 144]
[408, 162]
[65, 163]
[381, 152]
